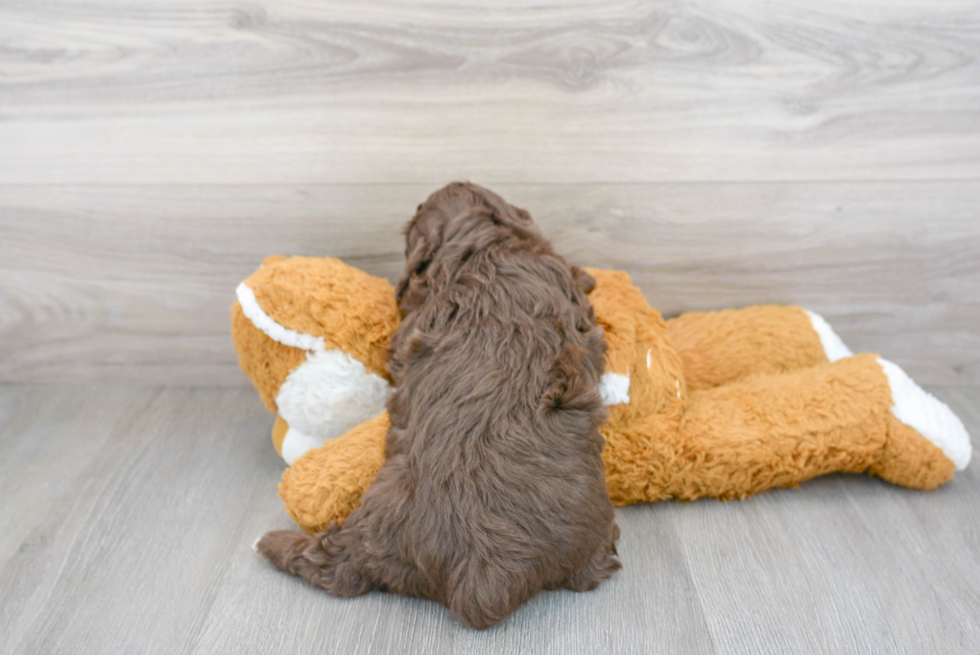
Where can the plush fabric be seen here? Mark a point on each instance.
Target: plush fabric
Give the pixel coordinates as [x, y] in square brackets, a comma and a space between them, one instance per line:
[721, 404]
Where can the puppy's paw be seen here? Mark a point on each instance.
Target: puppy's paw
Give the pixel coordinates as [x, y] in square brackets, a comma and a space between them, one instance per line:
[600, 567]
[279, 547]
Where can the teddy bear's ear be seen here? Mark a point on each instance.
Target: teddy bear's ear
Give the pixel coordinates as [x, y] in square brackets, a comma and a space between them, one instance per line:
[272, 259]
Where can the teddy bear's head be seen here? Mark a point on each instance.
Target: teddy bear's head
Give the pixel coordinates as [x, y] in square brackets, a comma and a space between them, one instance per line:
[312, 335]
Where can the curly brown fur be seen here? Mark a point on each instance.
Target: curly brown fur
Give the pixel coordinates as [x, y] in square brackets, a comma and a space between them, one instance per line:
[492, 488]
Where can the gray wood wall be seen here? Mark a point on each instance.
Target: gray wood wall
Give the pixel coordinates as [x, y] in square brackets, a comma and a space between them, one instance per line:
[724, 153]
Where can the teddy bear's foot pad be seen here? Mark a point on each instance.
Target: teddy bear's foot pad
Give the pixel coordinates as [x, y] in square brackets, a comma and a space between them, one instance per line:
[928, 415]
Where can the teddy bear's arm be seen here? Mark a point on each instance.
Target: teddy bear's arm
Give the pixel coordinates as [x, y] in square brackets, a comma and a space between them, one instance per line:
[723, 346]
[326, 484]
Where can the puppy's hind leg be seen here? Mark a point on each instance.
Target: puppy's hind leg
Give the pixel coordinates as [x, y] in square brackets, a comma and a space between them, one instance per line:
[600, 566]
[326, 560]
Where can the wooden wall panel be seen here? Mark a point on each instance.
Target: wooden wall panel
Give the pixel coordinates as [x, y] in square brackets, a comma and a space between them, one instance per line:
[725, 153]
[105, 283]
[309, 92]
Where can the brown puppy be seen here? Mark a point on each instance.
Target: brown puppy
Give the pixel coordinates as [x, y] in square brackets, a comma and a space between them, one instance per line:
[492, 487]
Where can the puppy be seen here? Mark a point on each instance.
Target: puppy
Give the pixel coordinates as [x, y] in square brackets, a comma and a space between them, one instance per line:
[492, 487]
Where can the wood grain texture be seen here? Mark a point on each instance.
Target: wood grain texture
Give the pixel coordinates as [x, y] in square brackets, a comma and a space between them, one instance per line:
[724, 153]
[40, 458]
[143, 544]
[129, 556]
[135, 283]
[307, 92]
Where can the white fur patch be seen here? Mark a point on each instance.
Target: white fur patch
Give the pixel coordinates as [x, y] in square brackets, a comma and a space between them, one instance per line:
[832, 344]
[929, 416]
[327, 395]
[254, 312]
[614, 388]
[296, 444]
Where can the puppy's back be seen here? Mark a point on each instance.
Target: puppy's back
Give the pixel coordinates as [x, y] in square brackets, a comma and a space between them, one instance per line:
[499, 408]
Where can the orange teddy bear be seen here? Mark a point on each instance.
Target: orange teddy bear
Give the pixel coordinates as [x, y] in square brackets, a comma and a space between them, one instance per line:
[722, 404]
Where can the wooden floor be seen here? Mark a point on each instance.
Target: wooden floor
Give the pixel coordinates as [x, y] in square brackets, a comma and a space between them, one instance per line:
[129, 513]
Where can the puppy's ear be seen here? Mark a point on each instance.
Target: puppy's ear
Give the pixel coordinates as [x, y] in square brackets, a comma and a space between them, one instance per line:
[423, 238]
[584, 281]
[583, 284]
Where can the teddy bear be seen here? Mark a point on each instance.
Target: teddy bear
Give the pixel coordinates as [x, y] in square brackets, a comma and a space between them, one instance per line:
[720, 404]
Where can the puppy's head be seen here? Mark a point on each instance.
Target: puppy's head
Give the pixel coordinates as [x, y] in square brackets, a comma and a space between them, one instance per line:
[459, 213]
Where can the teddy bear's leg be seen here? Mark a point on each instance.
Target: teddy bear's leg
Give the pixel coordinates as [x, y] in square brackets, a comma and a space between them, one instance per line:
[724, 346]
[326, 484]
[909, 460]
[778, 430]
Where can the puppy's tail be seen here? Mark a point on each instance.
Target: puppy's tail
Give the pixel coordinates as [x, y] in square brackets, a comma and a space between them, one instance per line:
[485, 594]
[328, 560]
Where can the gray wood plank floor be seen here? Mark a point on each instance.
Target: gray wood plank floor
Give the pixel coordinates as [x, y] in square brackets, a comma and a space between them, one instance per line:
[129, 512]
